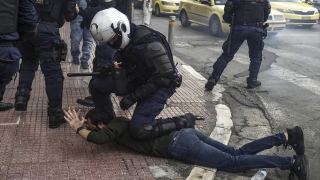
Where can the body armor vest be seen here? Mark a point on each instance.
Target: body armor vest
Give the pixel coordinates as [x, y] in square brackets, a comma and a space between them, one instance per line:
[250, 11]
[8, 14]
[141, 35]
[50, 11]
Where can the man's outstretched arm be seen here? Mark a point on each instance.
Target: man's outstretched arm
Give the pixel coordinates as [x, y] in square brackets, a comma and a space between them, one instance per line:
[72, 117]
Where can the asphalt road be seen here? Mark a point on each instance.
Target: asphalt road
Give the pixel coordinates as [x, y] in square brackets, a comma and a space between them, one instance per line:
[289, 74]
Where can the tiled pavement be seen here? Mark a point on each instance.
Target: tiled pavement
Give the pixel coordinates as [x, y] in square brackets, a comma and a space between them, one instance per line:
[30, 150]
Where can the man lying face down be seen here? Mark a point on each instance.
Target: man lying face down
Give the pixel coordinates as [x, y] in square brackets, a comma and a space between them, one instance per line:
[192, 146]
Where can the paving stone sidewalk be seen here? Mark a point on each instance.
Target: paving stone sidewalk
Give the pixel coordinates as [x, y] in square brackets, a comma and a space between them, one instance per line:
[30, 150]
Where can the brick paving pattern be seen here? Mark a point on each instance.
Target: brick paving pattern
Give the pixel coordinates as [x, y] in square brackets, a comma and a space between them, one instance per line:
[30, 150]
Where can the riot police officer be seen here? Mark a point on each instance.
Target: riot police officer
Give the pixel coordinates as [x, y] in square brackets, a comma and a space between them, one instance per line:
[147, 76]
[104, 54]
[248, 21]
[19, 21]
[47, 49]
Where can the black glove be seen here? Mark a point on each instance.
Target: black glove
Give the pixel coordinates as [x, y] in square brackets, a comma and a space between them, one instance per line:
[69, 10]
[27, 32]
[228, 8]
[127, 101]
[265, 30]
[104, 71]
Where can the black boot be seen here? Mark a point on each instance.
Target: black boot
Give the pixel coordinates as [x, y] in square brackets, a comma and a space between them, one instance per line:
[5, 106]
[55, 117]
[300, 168]
[295, 140]
[212, 81]
[147, 131]
[252, 83]
[87, 101]
[22, 98]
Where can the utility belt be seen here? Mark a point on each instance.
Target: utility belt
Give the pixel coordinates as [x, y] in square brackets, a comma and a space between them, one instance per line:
[7, 43]
[53, 23]
[7, 60]
[59, 52]
[121, 80]
[256, 24]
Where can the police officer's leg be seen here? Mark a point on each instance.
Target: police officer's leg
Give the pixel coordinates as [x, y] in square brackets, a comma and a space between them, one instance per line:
[7, 70]
[28, 67]
[256, 44]
[75, 37]
[144, 124]
[54, 87]
[103, 57]
[238, 37]
[100, 90]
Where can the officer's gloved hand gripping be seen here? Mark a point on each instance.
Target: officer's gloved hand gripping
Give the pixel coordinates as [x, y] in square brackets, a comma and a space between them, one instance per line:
[127, 101]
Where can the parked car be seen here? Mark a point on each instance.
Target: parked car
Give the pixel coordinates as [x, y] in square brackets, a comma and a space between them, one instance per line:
[316, 4]
[165, 7]
[297, 12]
[209, 13]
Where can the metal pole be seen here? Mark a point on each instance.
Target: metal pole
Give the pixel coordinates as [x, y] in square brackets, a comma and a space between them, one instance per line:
[132, 11]
[172, 24]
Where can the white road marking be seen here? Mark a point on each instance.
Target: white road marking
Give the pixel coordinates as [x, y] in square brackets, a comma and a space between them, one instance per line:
[222, 133]
[9, 124]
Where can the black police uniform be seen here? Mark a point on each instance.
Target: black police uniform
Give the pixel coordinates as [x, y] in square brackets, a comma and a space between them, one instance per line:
[104, 54]
[18, 22]
[249, 17]
[148, 64]
[47, 49]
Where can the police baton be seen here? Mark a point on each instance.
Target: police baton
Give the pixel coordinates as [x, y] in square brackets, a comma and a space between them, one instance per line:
[230, 35]
[83, 74]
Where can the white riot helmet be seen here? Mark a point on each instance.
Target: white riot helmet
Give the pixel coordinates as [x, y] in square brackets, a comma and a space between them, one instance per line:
[108, 23]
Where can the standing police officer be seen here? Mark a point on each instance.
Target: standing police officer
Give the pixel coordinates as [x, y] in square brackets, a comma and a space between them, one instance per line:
[248, 17]
[47, 49]
[147, 76]
[19, 21]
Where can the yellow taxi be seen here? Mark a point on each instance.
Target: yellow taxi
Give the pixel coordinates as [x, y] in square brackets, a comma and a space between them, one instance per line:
[209, 13]
[297, 12]
[169, 7]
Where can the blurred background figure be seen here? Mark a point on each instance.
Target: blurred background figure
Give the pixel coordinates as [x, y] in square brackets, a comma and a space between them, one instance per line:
[77, 34]
[147, 11]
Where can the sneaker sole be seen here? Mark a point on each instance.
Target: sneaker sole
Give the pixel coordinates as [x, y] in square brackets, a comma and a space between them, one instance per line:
[300, 134]
[306, 160]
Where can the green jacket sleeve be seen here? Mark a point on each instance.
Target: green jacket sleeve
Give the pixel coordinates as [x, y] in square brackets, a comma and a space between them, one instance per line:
[112, 131]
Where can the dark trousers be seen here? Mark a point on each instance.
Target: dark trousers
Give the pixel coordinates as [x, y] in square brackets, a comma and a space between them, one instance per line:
[145, 111]
[45, 39]
[192, 146]
[7, 70]
[253, 35]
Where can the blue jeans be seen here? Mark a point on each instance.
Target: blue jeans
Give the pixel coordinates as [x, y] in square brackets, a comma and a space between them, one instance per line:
[194, 147]
[76, 35]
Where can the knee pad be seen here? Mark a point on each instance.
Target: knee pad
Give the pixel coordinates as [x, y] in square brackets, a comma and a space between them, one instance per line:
[144, 132]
